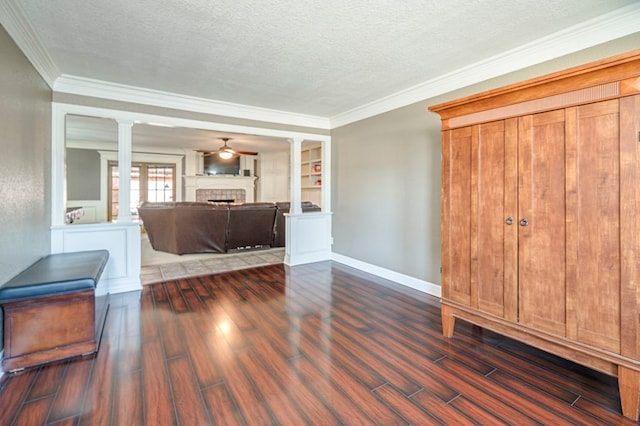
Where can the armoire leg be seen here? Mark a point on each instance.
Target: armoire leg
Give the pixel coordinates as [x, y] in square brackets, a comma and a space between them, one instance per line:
[448, 321]
[629, 384]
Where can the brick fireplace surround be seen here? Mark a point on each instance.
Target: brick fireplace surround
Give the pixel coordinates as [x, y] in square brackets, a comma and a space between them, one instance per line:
[237, 195]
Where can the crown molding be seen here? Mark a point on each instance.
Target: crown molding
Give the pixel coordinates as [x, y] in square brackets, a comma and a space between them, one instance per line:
[119, 92]
[610, 26]
[15, 22]
[607, 27]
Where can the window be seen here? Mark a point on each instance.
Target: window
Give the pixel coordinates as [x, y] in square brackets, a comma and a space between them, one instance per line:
[149, 182]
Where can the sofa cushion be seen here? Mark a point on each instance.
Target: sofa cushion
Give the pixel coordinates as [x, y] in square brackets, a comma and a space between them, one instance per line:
[250, 225]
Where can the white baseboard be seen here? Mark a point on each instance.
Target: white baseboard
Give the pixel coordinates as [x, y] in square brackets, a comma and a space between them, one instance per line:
[406, 280]
[123, 286]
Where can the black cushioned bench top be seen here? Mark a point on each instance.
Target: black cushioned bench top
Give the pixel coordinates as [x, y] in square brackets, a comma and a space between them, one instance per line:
[57, 273]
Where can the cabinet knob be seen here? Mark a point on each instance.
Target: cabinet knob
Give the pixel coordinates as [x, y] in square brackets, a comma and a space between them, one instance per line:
[509, 221]
[524, 221]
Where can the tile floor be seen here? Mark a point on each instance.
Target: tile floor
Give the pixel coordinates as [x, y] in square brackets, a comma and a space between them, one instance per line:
[160, 266]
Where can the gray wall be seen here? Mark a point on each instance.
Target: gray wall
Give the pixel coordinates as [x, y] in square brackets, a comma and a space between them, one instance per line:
[386, 191]
[25, 140]
[83, 174]
[386, 176]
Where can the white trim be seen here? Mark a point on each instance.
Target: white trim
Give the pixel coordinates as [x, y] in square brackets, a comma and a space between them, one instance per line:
[14, 20]
[405, 280]
[607, 27]
[326, 177]
[170, 121]
[138, 149]
[120, 92]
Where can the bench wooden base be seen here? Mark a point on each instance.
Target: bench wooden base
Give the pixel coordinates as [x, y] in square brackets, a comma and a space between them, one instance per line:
[51, 311]
[52, 328]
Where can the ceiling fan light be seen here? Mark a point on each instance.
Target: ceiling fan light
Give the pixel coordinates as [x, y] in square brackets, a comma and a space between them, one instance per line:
[225, 155]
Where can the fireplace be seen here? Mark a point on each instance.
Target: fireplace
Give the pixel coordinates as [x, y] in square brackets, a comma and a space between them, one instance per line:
[240, 189]
[222, 195]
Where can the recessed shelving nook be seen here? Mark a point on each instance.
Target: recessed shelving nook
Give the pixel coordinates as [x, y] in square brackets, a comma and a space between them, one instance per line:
[311, 173]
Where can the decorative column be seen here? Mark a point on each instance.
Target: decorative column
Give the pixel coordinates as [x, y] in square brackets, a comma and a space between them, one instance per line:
[124, 170]
[296, 179]
[326, 175]
[58, 152]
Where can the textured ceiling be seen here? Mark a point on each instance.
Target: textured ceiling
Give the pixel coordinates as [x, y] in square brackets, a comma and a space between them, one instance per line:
[320, 58]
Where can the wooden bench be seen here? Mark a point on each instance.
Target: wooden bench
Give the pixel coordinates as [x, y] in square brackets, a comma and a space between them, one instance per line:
[51, 311]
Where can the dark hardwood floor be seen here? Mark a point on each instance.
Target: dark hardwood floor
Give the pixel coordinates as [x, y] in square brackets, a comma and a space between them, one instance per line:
[313, 344]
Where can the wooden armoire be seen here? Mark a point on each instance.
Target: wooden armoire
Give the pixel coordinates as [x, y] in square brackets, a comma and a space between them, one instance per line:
[541, 215]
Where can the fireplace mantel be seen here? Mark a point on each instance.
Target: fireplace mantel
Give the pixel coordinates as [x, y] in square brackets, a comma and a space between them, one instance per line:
[193, 183]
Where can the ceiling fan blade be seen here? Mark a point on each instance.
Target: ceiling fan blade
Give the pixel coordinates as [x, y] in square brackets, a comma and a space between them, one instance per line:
[245, 152]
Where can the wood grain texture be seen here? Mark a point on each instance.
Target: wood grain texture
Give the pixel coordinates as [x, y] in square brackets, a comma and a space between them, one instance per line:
[488, 220]
[541, 200]
[630, 225]
[456, 214]
[46, 329]
[311, 344]
[598, 215]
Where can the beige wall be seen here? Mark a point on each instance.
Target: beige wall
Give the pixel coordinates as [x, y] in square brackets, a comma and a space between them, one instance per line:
[25, 120]
[386, 176]
[25, 139]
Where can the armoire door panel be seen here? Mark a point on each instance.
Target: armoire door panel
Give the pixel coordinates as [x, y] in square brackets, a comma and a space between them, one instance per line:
[456, 217]
[597, 216]
[541, 236]
[488, 215]
[630, 225]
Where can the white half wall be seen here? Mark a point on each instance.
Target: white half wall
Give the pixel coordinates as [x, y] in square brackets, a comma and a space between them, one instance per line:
[308, 238]
[122, 272]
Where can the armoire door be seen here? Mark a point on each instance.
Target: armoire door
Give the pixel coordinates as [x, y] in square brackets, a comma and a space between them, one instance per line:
[541, 221]
[479, 230]
[456, 215]
[493, 218]
[593, 218]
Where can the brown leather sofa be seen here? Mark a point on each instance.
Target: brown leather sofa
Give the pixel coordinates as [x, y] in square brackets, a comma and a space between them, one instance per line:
[186, 227]
[189, 227]
[250, 225]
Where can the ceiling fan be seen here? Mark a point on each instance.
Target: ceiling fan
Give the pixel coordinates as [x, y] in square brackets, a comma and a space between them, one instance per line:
[226, 151]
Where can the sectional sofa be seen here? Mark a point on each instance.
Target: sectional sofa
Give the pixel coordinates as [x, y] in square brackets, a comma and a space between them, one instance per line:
[191, 227]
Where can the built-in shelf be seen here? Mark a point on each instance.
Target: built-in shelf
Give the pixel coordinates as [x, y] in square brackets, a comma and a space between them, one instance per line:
[311, 173]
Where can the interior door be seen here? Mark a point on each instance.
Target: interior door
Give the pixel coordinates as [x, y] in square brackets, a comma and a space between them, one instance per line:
[541, 221]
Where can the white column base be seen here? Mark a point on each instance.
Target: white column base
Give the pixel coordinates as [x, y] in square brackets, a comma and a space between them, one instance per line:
[308, 238]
